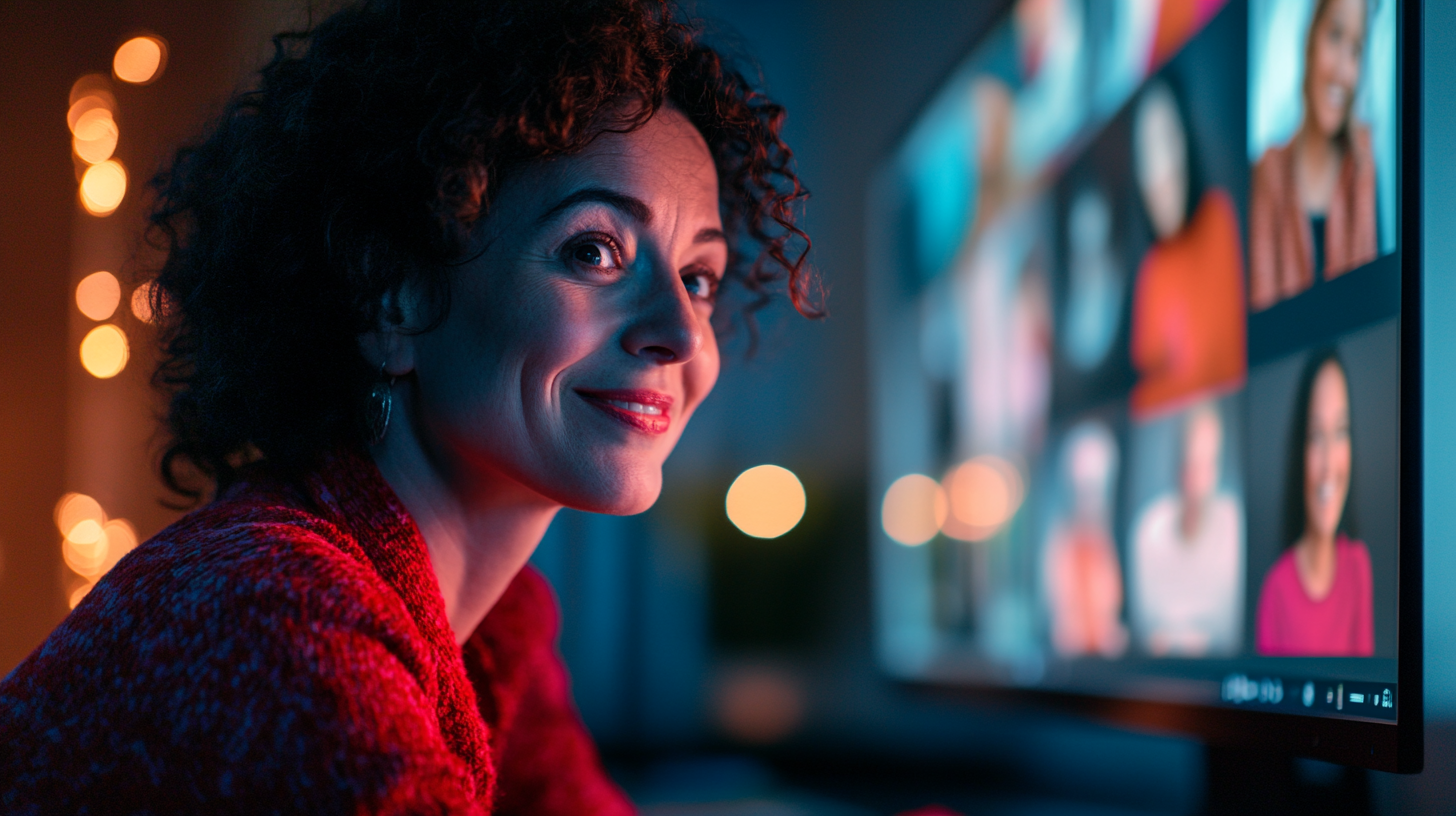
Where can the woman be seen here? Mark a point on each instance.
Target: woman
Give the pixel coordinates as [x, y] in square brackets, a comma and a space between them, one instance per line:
[451, 267]
[1317, 597]
[1188, 554]
[1082, 578]
[1188, 336]
[1312, 210]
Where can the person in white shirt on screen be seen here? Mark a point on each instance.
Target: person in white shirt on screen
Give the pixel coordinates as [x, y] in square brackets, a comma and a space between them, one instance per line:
[1188, 555]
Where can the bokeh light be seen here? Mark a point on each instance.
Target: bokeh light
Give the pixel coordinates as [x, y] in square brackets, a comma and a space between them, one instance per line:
[104, 352]
[121, 538]
[141, 302]
[93, 100]
[78, 593]
[91, 544]
[139, 60]
[90, 91]
[766, 501]
[759, 704]
[85, 550]
[103, 187]
[914, 509]
[74, 508]
[95, 135]
[983, 494]
[98, 294]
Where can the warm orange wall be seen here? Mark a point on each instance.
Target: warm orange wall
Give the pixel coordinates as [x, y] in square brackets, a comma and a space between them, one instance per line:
[61, 429]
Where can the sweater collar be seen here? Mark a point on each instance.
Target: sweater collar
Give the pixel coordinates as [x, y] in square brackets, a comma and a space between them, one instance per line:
[349, 489]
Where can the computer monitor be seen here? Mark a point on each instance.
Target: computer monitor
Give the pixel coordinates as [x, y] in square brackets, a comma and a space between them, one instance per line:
[1145, 372]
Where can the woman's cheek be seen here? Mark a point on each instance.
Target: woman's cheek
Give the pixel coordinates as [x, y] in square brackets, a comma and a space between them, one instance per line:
[701, 373]
[1340, 464]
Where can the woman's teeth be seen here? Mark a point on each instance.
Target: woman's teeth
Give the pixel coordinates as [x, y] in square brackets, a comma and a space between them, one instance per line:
[1325, 493]
[636, 407]
[1336, 95]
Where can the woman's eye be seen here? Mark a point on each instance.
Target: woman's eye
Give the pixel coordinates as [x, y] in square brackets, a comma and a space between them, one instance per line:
[597, 253]
[701, 285]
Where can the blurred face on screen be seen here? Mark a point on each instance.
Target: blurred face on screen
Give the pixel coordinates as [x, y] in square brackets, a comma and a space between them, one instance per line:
[1089, 463]
[1336, 43]
[1161, 149]
[1327, 452]
[1201, 443]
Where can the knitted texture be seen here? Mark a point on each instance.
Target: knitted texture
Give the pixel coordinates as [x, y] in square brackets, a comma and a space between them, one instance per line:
[286, 650]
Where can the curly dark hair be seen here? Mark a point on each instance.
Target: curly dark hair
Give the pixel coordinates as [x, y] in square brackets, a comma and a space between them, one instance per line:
[370, 147]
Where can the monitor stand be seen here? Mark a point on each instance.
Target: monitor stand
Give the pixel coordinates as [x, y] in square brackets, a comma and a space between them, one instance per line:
[1248, 781]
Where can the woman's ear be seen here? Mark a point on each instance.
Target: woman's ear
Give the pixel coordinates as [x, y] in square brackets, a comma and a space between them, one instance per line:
[391, 345]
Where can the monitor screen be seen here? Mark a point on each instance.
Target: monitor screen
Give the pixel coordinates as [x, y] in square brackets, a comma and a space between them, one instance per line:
[1136, 362]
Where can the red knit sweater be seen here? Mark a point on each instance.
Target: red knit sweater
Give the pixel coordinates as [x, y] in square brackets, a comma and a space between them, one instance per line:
[285, 649]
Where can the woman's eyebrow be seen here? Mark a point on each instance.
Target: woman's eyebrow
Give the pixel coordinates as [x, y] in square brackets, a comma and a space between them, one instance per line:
[632, 207]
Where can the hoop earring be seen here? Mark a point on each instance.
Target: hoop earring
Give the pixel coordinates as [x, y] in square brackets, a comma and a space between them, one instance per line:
[378, 409]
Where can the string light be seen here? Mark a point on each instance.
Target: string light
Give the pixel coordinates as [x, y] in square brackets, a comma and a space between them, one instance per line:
[141, 302]
[98, 294]
[139, 60]
[95, 134]
[104, 351]
[91, 544]
[103, 187]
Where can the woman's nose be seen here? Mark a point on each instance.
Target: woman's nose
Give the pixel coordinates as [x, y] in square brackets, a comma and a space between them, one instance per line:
[664, 327]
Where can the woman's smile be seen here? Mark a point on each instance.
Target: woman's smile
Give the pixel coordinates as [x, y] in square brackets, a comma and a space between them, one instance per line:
[640, 409]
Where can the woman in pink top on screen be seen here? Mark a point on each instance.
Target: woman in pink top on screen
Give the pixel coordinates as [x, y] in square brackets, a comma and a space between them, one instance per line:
[1317, 598]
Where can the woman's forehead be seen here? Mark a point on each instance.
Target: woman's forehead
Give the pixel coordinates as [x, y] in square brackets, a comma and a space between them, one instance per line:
[660, 173]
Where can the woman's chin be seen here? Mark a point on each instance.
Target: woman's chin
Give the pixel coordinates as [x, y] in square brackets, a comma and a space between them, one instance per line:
[619, 494]
[1330, 122]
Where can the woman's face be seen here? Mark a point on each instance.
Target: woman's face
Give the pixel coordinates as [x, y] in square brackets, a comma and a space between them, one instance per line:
[1327, 451]
[1162, 161]
[1201, 443]
[1337, 41]
[578, 343]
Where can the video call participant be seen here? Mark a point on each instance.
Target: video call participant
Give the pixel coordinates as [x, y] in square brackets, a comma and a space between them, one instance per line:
[1188, 554]
[1188, 330]
[1317, 598]
[1080, 568]
[1312, 210]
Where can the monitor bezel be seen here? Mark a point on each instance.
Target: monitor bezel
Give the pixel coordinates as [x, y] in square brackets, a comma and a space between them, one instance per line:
[1395, 747]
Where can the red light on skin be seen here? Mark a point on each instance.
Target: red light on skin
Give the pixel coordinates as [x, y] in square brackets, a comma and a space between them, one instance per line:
[637, 408]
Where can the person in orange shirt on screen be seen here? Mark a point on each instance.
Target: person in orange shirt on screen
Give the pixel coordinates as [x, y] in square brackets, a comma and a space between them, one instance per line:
[1188, 324]
[1312, 210]
[1080, 571]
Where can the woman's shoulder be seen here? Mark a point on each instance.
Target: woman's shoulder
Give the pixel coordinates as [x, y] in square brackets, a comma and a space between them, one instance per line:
[1354, 553]
[1361, 145]
[1282, 577]
[1272, 172]
[257, 541]
[255, 561]
[1275, 160]
[251, 618]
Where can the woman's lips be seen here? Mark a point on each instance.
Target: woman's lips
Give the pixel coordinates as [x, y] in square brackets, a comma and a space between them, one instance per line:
[637, 408]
